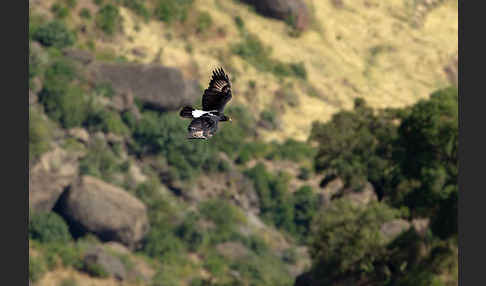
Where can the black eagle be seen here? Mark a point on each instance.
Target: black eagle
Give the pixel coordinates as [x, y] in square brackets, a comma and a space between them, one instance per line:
[204, 122]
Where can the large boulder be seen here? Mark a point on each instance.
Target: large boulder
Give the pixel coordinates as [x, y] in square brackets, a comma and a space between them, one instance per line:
[48, 178]
[158, 87]
[295, 11]
[92, 205]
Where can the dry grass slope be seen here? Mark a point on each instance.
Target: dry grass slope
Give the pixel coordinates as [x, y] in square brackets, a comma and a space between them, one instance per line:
[366, 48]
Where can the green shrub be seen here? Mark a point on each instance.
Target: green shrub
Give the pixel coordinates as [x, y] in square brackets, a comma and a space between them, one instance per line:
[203, 22]
[71, 3]
[292, 150]
[290, 255]
[225, 216]
[162, 244]
[172, 10]
[63, 100]
[48, 227]
[108, 19]
[240, 24]
[215, 264]
[254, 149]
[104, 89]
[305, 208]
[108, 121]
[166, 134]
[270, 118]
[39, 135]
[54, 34]
[60, 11]
[190, 233]
[257, 54]
[275, 201]
[257, 245]
[139, 7]
[35, 21]
[100, 161]
[98, 2]
[304, 173]
[37, 268]
[64, 103]
[95, 270]
[85, 13]
[68, 282]
[129, 119]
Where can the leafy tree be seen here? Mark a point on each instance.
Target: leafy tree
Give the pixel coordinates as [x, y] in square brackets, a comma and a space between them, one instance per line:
[429, 139]
[357, 145]
[347, 239]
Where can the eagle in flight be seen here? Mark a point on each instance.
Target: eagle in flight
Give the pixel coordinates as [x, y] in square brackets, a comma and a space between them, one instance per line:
[204, 122]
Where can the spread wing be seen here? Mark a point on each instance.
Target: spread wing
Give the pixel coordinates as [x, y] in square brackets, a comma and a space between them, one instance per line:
[218, 93]
[203, 127]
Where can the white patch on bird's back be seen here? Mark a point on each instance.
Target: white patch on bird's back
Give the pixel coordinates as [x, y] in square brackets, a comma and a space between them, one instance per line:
[198, 113]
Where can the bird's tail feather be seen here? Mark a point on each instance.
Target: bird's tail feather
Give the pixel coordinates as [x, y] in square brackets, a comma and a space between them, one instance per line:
[186, 112]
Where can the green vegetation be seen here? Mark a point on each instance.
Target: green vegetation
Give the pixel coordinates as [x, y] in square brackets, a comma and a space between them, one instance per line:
[85, 13]
[69, 282]
[292, 150]
[225, 217]
[165, 134]
[409, 155]
[39, 135]
[139, 7]
[412, 162]
[256, 53]
[54, 34]
[100, 161]
[348, 240]
[172, 10]
[108, 19]
[306, 206]
[48, 227]
[358, 145]
[37, 269]
[59, 10]
[95, 270]
[204, 22]
[276, 202]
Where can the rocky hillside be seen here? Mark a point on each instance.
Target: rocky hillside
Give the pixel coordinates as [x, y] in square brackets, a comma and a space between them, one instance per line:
[328, 112]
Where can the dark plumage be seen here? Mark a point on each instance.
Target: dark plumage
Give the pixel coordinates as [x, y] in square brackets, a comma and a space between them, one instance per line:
[205, 122]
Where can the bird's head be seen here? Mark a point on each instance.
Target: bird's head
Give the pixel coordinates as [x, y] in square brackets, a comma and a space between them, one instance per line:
[226, 118]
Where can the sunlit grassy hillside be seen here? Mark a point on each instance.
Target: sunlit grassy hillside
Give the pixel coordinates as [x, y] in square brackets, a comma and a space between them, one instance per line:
[372, 49]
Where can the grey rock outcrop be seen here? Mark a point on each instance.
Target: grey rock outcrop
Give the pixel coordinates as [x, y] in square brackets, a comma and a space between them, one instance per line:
[159, 87]
[106, 210]
[96, 256]
[295, 11]
[48, 178]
